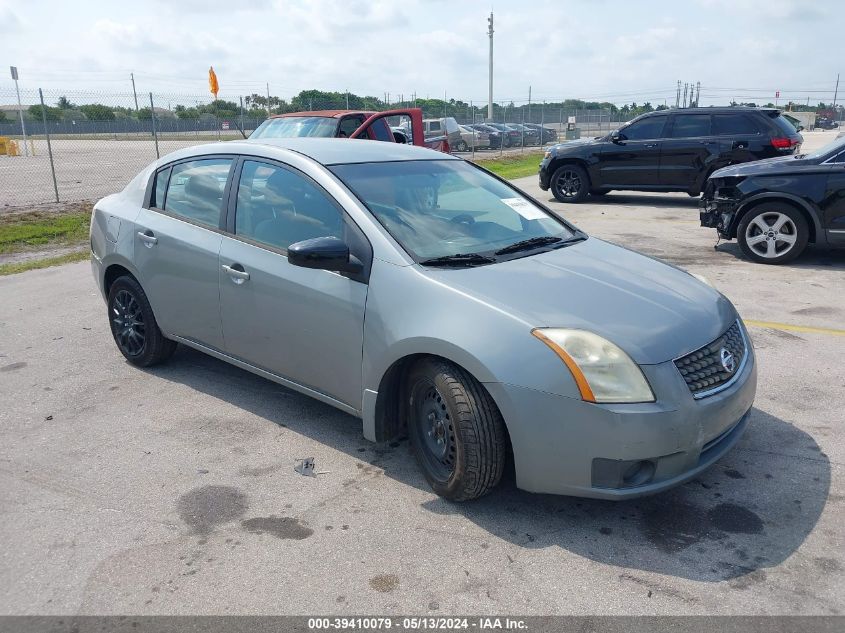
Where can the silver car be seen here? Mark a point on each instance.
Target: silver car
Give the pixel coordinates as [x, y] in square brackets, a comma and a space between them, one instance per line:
[428, 297]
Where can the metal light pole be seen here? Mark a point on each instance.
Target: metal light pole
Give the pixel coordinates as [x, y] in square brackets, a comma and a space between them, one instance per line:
[490, 86]
[14, 70]
[132, 77]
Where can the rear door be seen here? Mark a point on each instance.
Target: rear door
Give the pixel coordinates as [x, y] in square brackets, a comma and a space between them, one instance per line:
[302, 324]
[740, 137]
[687, 151]
[177, 244]
[633, 161]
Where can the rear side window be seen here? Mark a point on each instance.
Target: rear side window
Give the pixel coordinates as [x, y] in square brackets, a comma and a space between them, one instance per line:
[160, 188]
[195, 191]
[734, 125]
[691, 125]
[648, 128]
[434, 126]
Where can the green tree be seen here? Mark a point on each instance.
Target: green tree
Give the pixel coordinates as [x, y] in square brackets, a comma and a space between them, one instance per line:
[2, 116]
[97, 112]
[35, 112]
[64, 104]
[145, 114]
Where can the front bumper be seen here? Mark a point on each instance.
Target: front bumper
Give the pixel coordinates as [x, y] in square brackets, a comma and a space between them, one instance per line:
[570, 447]
[717, 213]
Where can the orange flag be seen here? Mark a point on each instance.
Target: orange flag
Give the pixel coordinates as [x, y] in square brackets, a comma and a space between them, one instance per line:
[212, 82]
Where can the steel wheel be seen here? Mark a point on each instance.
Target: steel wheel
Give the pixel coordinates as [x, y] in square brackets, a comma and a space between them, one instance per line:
[128, 323]
[771, 235]
[435, 432]
[568, 184]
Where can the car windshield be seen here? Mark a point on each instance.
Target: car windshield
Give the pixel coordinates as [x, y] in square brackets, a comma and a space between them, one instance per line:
[294, 126]
[834, 147]
[440, 208]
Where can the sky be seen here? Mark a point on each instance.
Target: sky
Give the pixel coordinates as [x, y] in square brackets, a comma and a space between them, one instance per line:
[604, 50]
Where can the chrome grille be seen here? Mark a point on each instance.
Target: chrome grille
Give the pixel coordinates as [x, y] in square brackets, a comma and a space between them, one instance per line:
[702, 369]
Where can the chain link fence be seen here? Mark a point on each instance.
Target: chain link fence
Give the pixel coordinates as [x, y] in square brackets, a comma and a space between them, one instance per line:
[76, 145]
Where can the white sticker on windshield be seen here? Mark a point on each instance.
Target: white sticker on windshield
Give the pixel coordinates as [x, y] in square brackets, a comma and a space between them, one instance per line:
[524, 208]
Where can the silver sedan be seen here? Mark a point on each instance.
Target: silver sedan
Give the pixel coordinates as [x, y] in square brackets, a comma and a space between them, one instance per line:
[429, 298]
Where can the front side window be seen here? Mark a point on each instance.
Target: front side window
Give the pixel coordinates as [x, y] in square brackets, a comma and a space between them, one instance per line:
[349, 125]
[645, 129]
[278, 207]
[691, 126]
[195, 190]
[437, 208]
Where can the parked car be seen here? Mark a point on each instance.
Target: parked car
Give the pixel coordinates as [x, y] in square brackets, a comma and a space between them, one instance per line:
[775, 207]
[472, 138]
[548, 135]
[446, 126]
[402, 134]
[430, 298]
[510, 136]
[525, 135]
[347, 124]
[669, 150]
[494, 135]
[826, 123]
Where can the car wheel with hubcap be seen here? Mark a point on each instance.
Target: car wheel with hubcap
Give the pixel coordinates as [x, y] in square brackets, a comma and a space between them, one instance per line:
[570, 183]
[773, 233]
[461, 146]
[133, 324]
[456, 430]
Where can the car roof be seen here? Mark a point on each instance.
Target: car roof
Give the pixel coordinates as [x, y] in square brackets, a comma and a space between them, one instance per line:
[326, 114]
[710, 110]
[326, 151]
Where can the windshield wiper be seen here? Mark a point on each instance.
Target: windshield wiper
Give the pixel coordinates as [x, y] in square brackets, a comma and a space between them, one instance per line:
[524, 245]
[459, 259]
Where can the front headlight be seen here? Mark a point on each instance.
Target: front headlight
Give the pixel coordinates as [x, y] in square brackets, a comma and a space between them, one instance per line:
[602, 371]
[702, 279]
[548, 154]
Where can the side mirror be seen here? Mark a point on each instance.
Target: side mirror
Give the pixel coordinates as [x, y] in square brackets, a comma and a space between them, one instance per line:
[617, 137]
[324, 253]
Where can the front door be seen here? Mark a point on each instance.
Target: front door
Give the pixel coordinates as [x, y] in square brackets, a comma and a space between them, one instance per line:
[634, 160]
[833, 204]
[302, 324]
[177, 242]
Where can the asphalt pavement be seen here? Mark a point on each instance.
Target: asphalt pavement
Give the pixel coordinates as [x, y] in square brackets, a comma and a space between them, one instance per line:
[173, 491]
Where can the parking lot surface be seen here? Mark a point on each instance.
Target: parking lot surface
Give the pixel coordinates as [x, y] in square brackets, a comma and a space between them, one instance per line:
[173, 490]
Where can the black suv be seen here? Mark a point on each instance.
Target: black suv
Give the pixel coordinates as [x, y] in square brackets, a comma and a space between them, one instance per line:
[775, 207]
[669, 150]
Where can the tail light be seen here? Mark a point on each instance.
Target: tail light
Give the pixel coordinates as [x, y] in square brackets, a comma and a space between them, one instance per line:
[783, 143]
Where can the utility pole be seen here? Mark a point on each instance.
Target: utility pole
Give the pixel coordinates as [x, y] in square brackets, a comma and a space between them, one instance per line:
[132, 77]
[268, 98]
[685, 94]
[347, 98]
[835, 93]
[490, 85]
[14, 70]
[678, 95]
[697, 92]
[529, 104]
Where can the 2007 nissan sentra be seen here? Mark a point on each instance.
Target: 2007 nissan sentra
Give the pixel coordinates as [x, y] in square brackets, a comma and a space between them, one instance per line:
[427, 297]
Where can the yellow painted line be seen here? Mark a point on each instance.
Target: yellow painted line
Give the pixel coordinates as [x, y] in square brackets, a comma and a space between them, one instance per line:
[795, 328]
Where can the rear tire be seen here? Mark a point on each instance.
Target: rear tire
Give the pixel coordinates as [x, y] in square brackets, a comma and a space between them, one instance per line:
[773, 233]
[133, 324]
[457, 433]
[461, 146]
[570, 183]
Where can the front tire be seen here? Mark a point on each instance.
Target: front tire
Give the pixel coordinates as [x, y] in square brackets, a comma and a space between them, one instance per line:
[570, 183]
[456, 430]
[133, 324]
[773, 233]
[461, 146]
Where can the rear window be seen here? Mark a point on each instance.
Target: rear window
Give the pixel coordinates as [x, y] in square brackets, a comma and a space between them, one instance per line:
[734, 125]
[784, 126]
[691, 125]
[295, 126]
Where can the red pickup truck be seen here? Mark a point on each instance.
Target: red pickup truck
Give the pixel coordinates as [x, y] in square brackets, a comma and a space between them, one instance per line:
[349, 124]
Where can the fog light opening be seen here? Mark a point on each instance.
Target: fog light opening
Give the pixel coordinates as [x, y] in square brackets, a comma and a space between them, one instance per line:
[638, 473]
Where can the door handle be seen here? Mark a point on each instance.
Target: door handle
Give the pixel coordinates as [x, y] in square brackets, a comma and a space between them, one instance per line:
[650, 145]
[238, 276]
[148, 238]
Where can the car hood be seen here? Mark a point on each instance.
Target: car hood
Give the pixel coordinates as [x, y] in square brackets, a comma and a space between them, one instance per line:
[652, 310]
[573, 144]
[776, 165]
